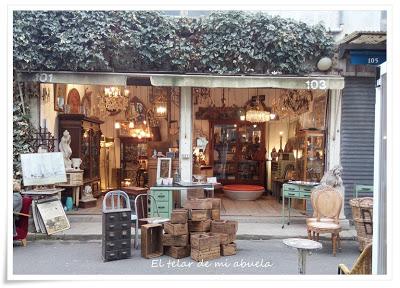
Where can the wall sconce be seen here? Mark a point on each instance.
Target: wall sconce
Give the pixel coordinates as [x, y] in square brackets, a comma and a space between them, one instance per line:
[117, 125]
[131, 125]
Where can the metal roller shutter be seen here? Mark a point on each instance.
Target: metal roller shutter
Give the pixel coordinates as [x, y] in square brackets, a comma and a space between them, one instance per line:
[357, 135]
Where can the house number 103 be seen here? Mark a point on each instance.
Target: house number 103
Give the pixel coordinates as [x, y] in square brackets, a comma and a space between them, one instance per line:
[316, 84]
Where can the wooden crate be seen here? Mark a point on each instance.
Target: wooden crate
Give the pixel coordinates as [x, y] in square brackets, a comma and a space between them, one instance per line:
[228, 249]
[198, 255]
[216, 203]
[199, 215]
[195, 194]
[224, 238]
[151, 240]
[224, 226]
[199, 226]
[204, 241]
[198, 204]
[179, 216]
[177, 252]
[215, 214]
[171, 240]
[176, 229]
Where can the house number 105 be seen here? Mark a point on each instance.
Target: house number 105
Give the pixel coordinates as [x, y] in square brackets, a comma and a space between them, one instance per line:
[316, 84]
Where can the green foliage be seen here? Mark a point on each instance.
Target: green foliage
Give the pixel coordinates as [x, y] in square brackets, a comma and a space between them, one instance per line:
[22, 132]
[231, 42]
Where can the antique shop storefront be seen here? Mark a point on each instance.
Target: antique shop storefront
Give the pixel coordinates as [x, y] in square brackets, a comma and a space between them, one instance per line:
[259, 130]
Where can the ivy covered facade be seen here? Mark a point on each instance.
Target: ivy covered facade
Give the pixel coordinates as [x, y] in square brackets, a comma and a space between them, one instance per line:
[232, 42]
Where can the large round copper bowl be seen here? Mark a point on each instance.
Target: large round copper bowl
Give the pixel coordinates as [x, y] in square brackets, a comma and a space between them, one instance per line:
[243, 192]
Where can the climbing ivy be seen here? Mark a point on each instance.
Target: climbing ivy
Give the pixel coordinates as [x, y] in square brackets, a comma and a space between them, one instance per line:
[23, 130]
[229, 42]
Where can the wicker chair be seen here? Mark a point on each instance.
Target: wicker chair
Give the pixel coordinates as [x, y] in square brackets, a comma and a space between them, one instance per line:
[363, 264]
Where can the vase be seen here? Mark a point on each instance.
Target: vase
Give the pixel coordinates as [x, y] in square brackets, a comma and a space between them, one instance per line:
[69, 204]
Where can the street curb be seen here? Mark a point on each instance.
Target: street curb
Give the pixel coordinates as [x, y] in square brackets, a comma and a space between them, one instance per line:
[88, 237]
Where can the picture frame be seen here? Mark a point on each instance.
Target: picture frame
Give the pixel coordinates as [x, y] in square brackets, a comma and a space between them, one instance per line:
[164, 168]
[43, 168]
[60, 91]
[53, 216]
[170, 155]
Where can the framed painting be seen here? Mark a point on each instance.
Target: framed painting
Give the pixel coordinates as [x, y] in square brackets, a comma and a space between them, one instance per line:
[164, 168]
[60, 91]
[74, 101]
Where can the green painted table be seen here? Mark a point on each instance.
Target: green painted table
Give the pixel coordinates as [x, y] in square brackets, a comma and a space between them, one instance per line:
[295, 190]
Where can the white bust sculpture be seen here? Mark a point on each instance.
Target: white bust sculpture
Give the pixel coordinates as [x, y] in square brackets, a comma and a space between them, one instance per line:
[66, 149]
[87, 193]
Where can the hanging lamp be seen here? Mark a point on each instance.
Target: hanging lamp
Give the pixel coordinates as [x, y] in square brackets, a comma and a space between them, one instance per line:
[256, 113]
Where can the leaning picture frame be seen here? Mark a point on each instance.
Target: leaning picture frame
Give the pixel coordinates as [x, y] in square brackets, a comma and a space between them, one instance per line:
[60, 91]
[164, 168]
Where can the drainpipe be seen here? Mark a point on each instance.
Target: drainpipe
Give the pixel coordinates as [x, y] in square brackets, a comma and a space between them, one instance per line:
[340, 24]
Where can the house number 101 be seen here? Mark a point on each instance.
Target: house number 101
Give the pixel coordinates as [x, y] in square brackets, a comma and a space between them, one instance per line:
[316, 84]
[44, 77]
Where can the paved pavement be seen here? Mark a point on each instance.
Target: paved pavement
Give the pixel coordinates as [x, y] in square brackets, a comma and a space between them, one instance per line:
[63, 257]
[250, 228]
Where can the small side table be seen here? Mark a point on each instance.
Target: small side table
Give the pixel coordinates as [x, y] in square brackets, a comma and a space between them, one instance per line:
[303, 247]
[74, 181]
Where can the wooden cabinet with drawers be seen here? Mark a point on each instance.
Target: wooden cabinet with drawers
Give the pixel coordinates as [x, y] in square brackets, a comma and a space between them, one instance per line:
[164, 202]
[85, 144]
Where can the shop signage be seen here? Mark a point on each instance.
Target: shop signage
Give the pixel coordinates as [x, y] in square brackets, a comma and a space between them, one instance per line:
[367, 57]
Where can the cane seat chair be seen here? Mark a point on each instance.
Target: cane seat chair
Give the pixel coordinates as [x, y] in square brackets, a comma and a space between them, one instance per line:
[328, 203]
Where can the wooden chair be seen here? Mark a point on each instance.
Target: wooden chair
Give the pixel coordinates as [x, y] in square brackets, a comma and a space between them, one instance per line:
[22, 224]
[328, 203]
[314, 194]
[363, 264]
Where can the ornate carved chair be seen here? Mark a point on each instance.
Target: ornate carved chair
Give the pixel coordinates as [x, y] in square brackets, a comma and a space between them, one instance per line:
[328, 203]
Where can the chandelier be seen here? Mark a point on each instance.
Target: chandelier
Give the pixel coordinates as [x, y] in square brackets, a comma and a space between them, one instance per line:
[257, 113]
[292, 102]
[135, 129]
[114, 100]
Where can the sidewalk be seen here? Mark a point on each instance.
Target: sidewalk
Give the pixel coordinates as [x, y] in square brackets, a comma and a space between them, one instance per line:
[89, 227]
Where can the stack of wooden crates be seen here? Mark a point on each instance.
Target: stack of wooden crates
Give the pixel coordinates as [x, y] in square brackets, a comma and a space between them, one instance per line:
[197, 231]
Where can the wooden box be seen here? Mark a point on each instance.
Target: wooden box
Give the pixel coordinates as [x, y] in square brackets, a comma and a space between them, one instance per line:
[216, 203]
[204, 241]
[224, 238]
[176, 229]
[198, 255]
[224, 226]
[151, 240]
[179, 216]
[199, 226]
[177, 252]
[171, 240]
[198, 204]
[195, 194]
[228, 249]
[75, 178]
[199, 215]
[215, 214]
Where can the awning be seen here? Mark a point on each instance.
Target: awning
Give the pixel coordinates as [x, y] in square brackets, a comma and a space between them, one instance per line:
[184, 80]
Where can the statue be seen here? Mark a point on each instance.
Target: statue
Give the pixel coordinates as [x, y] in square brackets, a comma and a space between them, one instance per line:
[87, 193]
[333, 178]
[66, 149]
